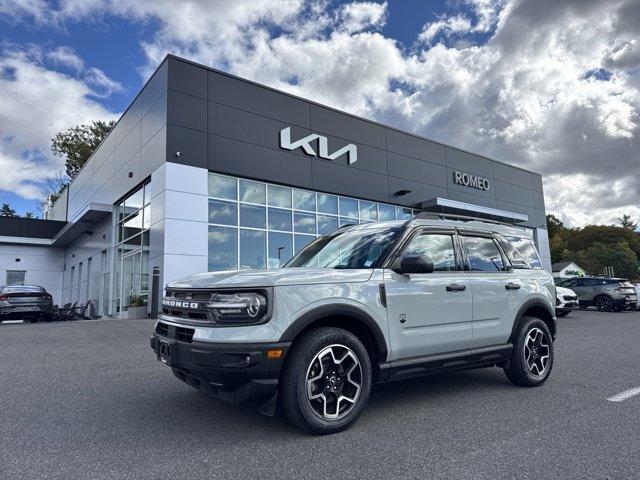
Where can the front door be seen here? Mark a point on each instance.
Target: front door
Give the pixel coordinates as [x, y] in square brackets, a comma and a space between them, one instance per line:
[130, 278]
[429, 313]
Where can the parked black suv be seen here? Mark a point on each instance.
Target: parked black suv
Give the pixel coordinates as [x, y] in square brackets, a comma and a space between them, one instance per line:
[606, 294]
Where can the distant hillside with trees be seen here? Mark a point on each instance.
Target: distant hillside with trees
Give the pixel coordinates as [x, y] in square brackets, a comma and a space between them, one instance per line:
[595, 247]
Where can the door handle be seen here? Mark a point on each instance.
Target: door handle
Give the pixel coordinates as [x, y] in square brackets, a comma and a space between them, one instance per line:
[512, 286]
[455, 287]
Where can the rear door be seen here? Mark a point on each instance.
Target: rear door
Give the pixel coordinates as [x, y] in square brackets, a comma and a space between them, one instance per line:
[498, 290]
[429, 313]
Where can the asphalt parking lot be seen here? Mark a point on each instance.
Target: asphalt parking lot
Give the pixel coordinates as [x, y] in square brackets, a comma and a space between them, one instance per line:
[89, 400]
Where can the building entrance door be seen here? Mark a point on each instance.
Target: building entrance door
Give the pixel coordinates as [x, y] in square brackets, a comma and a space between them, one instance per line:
[131, 284]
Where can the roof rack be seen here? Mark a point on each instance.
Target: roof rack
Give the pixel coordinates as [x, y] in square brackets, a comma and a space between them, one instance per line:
[445, 216]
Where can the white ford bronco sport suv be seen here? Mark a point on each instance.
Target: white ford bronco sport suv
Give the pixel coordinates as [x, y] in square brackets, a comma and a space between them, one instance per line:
[368, 303]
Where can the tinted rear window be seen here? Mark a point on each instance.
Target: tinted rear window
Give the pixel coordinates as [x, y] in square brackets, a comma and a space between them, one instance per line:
[25, 288]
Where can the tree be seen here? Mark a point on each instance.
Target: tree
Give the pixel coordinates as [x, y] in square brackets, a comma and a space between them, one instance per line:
[554, 225]
[51, 189]
[617, 255]
[29, 215]
[626, 222]
[582, 239]
[7, 211]
[76, 144]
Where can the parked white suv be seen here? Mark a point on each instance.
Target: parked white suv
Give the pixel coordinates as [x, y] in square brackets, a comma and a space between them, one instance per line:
[368, 303]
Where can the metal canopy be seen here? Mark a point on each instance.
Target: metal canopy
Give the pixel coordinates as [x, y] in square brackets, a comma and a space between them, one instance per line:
[495, 212]
[85, 220]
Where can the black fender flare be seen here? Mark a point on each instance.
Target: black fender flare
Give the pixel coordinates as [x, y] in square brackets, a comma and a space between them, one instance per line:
[531, 304]
[326, 311]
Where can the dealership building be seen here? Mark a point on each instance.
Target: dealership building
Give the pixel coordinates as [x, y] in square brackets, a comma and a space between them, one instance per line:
[206, 171]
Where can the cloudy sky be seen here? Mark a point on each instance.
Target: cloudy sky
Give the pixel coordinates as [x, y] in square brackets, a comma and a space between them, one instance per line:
[550, 85]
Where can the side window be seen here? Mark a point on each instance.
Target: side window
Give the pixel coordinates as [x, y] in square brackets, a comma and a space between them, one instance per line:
[438, 247]
[527, 248]
[569, 283]
[483, 254]
[513, 253]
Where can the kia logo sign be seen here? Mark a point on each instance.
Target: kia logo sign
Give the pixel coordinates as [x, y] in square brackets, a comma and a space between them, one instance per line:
[323, 149]
[468, 180]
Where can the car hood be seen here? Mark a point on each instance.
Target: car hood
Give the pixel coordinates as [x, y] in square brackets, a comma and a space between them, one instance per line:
[564, 291]
[272, 278]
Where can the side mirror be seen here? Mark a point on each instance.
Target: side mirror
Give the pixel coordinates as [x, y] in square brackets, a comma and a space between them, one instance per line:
[414, 264]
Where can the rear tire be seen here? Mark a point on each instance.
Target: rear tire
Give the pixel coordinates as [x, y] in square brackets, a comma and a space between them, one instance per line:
[326, 381]
[604, 303]
[532, 356]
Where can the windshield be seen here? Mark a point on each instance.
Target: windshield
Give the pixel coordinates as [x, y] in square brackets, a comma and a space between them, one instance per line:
[348, 249]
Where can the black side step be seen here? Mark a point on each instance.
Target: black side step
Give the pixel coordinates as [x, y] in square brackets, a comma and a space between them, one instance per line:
[431, 364]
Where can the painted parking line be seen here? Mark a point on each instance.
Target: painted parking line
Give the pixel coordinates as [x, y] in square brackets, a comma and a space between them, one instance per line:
[622, 396]
[12, 321]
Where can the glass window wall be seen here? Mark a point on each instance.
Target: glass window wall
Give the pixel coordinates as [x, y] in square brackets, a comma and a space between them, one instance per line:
[258, 225]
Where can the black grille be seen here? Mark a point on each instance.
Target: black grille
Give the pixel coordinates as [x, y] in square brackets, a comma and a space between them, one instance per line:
[185, 314]
[186, 295]
[570, 298]
[181, 334]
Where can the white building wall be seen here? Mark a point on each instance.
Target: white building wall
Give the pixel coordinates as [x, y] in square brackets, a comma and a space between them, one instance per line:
[543, 248]
[88, 285]
[179, 214]
[43, 266]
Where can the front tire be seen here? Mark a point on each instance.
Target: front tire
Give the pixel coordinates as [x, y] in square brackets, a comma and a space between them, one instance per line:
[326, 381]
[604, 304]
[533, 353]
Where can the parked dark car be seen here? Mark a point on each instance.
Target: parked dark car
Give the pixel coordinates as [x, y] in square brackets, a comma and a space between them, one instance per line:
[606, 294]
[25, 302]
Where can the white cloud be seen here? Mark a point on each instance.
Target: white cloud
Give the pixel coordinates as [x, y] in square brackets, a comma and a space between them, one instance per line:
[37, 102]
[359, 16]
[553, 86]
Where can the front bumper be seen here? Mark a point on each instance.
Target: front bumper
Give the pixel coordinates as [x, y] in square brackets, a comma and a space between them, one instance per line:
[239, 373]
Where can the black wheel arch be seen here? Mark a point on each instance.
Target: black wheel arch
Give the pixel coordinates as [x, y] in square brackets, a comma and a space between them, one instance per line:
[348, 317]
[539, 309]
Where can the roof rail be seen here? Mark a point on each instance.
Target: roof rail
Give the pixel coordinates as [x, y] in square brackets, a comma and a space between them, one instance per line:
[445, 216]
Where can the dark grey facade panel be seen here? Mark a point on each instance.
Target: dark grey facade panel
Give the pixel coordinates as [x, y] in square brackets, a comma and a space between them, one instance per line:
[128, 176]
[418, 170]
[154, 152]
[187, 78]
[332, 178]
[250, 127]
[253, 161]
[186, 111]
[541, 219]
[511, 193]
[192, 145]
[156, 87]
[327, 121]
[369, 158]
[538, 200]
[412, 146]
[512, 175]
[263, 101]
[129, 120]
[536, 181]
[419, 192]
[467, 162]
[155, 118]
[129, 146]
[29, 227]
